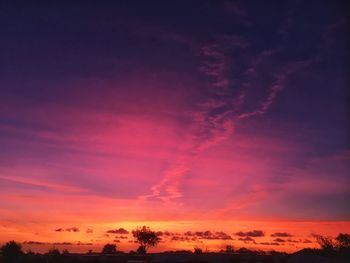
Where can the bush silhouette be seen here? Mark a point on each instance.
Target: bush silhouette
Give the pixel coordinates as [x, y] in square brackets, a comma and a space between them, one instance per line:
[198, 250]
[343, 241]
[54, 252]
[54, 255]
[229, 249]
[109, 249]
[12, 252]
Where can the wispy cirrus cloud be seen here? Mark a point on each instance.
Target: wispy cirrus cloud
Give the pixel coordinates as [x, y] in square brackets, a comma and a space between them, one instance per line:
[230, 98]
[278, 84]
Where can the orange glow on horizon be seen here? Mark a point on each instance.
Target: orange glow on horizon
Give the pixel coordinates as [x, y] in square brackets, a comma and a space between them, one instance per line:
[84, 240]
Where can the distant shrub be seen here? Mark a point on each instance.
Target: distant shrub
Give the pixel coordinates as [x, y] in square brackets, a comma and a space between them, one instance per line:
[198, 250]
[343, 241]
[109, 249]
[229, 249]
[12, 252]
[54, 252]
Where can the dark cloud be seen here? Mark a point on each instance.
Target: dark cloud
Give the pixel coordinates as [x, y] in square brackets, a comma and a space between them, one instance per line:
[84, 244]
[223, 236]
[89, 230]
[279, 240]
[120, 231]
[208, 235]
[70, 229]
[78, 243]
[307, 241]
[246, 239]
[205, 234]
[293, 241]
[34, 243]
[122, 237]
[269, 243]
[184, 238]
[281, 234]
[190, 236]
[167, 233]
[62, 244]
[254, 233]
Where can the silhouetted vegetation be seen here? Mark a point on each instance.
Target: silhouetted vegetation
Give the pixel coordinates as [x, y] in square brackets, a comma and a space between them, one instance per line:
[12, 252]
[326, 243]
[229, 249]
[141, 250]
[146, 238]
[65, 252]
[337, 247]
[54, 252]
[343, 241]
[244, 250]
[197, 250]
[109, 249]
[54, 256]
[334, 249]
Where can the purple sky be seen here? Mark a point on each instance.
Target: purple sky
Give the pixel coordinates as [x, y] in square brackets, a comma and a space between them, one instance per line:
[172, 111]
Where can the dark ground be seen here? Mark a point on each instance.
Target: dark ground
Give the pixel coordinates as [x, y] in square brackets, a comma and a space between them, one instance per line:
[298, 257]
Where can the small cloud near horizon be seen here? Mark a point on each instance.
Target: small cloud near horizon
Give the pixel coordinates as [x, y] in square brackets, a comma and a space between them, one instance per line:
[281, 234]
[120, 231]
[70, 229]
[279, 240]
[254, 233]
[246, 239]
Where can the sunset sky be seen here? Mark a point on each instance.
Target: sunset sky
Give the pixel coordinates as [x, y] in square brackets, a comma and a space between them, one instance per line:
[214, 122]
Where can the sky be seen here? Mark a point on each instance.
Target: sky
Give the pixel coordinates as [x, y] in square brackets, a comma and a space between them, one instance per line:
[212, 122]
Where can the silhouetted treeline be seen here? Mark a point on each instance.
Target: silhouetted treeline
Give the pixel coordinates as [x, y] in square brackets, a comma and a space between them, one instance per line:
[336, 250]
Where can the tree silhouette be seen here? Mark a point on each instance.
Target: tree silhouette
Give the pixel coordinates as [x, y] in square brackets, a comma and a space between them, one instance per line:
[343, 241]
[326, 243]
[109, 249]
[146, 238]
[12, 252]
[141, 250]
